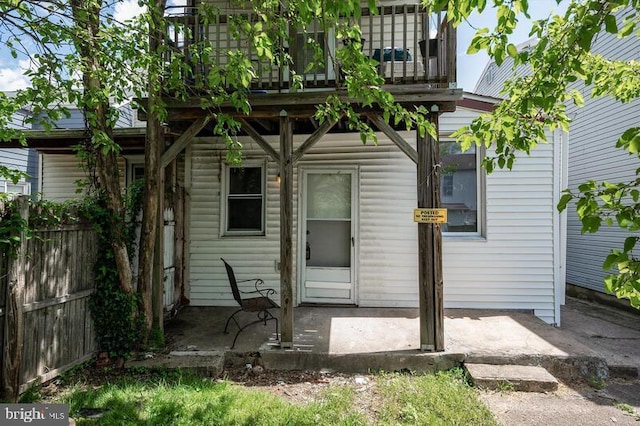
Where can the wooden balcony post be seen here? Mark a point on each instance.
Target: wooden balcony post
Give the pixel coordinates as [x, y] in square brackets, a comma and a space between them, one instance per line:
[430, 281]
[286, 231]
[451, 59]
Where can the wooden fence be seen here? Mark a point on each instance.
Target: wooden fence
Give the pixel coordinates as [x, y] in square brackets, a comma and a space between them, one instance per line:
[49, 283]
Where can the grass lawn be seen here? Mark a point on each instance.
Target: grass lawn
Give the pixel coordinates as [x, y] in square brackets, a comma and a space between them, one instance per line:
[172, 397]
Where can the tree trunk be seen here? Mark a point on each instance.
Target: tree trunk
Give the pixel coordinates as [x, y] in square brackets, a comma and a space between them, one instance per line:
[86, 14]
[14, 315]
[153, 150]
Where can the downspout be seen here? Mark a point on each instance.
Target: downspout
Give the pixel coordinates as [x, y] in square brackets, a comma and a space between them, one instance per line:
[560, 159]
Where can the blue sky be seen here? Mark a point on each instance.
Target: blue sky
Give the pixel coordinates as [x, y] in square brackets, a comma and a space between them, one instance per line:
[469, 66]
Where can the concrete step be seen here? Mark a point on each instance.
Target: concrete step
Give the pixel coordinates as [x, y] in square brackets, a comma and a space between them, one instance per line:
[522, 378]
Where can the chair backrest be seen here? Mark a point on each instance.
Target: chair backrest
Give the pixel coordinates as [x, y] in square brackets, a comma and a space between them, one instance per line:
[232, 282]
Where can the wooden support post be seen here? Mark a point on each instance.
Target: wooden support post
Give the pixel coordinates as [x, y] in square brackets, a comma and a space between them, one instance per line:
[430, 279]
[14, 321]
[286, 231]
[157, 291]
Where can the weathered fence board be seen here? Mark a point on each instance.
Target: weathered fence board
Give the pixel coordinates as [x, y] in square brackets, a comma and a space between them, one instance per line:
[56, 330]
[58, 302]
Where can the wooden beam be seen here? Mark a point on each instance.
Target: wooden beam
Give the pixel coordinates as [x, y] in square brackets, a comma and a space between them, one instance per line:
[257, 137]
[430, 280]
[311, 140]
[34, 306]
[185, 139]
[394, 136]
[286, 231]
[274, 101]
[13, 342]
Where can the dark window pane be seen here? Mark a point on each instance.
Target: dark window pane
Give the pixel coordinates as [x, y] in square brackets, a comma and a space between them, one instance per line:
[245, 214]
[245, 180]
[307, 53]
[459, 187]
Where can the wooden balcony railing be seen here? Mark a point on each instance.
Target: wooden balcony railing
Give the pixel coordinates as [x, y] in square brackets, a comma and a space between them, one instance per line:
[410, 45]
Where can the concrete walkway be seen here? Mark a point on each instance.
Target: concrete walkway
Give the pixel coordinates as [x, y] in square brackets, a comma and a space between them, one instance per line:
[592, 342]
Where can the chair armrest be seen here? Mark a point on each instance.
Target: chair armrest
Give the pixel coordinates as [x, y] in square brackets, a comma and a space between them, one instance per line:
[264, 292]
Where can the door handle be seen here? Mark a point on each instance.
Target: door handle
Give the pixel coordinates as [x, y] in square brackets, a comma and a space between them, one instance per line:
[353, 242]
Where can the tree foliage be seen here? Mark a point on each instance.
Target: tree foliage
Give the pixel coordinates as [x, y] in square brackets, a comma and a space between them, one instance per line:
[80, 55]
[537, 104]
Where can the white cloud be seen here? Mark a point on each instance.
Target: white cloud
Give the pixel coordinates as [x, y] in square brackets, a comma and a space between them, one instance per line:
[127, 9]
[12, 79]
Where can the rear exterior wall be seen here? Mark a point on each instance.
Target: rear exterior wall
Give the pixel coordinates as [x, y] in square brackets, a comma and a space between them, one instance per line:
[511, 264]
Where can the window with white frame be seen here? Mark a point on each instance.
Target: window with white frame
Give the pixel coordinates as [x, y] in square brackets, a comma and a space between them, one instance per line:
[244, 200]
[459, 187]
[20, 188]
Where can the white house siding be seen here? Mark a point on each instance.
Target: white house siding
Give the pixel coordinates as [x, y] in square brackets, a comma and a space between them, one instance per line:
[492, 79]
[76, 118]
[59, 174]
[593, 156]
[513, 266]
[510, 267]
[21, 159]
[15, 158]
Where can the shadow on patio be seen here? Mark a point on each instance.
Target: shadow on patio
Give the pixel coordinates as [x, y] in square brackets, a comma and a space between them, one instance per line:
[365, 339]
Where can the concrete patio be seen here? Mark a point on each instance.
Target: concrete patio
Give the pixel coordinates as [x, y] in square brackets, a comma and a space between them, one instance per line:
[371, 339]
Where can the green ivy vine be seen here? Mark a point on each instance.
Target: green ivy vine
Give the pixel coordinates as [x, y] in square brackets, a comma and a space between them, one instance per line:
[118, 327]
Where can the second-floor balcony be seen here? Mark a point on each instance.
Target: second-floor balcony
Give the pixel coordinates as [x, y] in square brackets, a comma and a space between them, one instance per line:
[409, 45]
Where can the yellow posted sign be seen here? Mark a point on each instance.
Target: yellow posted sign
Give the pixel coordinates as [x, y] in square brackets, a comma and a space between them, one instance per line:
[430, 215]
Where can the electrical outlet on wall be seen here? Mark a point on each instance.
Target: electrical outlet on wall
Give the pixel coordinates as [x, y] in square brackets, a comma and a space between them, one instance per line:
[277, 265]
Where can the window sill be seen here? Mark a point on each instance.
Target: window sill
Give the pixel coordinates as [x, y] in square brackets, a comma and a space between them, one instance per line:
[244, 235]
[451, 236]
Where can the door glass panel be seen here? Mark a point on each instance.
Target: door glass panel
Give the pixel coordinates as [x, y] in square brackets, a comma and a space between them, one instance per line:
[329, 196]
[329, 220]
[329, 243]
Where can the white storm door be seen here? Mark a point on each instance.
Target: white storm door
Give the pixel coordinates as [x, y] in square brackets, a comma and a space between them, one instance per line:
[329, 236]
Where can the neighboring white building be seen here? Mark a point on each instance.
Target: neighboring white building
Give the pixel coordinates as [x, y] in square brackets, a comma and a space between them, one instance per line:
[592, 155]
[20, 159]
[29, 161]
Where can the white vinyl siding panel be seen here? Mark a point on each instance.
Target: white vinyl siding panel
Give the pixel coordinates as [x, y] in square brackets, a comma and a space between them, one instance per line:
[60, 172]
[74, 121]
[18, 120]
[250, 256]
[593, 156]
[493, 77]
[76, 118]
[15, 158]
[512, 268]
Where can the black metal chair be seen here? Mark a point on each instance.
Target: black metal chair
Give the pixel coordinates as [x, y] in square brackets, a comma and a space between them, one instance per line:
[260, 304]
